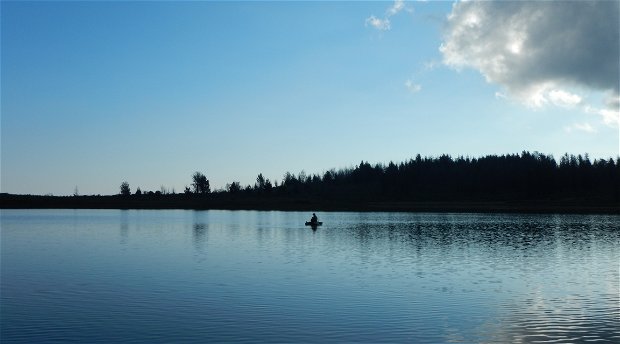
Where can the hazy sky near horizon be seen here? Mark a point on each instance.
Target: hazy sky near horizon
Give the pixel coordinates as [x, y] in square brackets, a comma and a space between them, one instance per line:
[96, 93]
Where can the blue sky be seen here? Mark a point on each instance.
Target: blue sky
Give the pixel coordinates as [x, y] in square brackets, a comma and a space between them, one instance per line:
[96, 93]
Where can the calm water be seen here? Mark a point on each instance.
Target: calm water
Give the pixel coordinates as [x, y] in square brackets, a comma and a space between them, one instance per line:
[101, 276]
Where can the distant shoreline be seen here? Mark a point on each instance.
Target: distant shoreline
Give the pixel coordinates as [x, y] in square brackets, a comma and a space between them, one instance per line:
[180, 201]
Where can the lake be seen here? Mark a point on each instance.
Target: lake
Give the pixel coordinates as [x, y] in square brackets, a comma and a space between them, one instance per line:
[101, 276]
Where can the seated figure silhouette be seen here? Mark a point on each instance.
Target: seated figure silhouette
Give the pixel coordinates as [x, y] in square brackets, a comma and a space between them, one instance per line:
[314, 221]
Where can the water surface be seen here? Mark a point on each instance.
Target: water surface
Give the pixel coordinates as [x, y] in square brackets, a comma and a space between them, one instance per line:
[103, 276]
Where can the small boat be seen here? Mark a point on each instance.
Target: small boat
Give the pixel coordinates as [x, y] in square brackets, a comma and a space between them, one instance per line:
[314, 224]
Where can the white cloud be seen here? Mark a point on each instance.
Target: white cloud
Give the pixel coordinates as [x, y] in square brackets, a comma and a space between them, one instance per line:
[613, 101]
[377, 23]
[383, 24]
[396, 7]
[564, 99]
[431, 65]
[413, 88]
[610, 117]
[586, 127]
[500, 95]
[536, 50]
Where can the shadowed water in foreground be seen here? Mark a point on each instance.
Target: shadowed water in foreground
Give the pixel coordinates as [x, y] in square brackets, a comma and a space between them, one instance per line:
[202, 276]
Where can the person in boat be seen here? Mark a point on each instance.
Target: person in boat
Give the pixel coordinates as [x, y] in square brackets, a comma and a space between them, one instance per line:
[314, 219]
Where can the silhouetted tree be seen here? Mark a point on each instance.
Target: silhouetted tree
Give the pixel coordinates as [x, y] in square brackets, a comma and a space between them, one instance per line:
[262, 184]
[165, 191]
[200, 183]
[125, 190]
[138, 191]
[233, 187]
[268, 186]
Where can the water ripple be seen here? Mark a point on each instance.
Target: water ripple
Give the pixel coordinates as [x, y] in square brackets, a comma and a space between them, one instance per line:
[215, 276]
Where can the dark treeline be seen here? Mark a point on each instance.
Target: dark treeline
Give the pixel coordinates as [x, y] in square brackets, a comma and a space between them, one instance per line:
[515, 182]
[513, 177]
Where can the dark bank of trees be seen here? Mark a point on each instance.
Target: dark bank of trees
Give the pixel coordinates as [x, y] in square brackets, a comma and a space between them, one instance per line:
[526, 182]
[512, 177]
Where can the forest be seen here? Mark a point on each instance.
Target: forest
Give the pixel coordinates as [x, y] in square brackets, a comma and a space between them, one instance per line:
[525, 176]
[515, 178]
